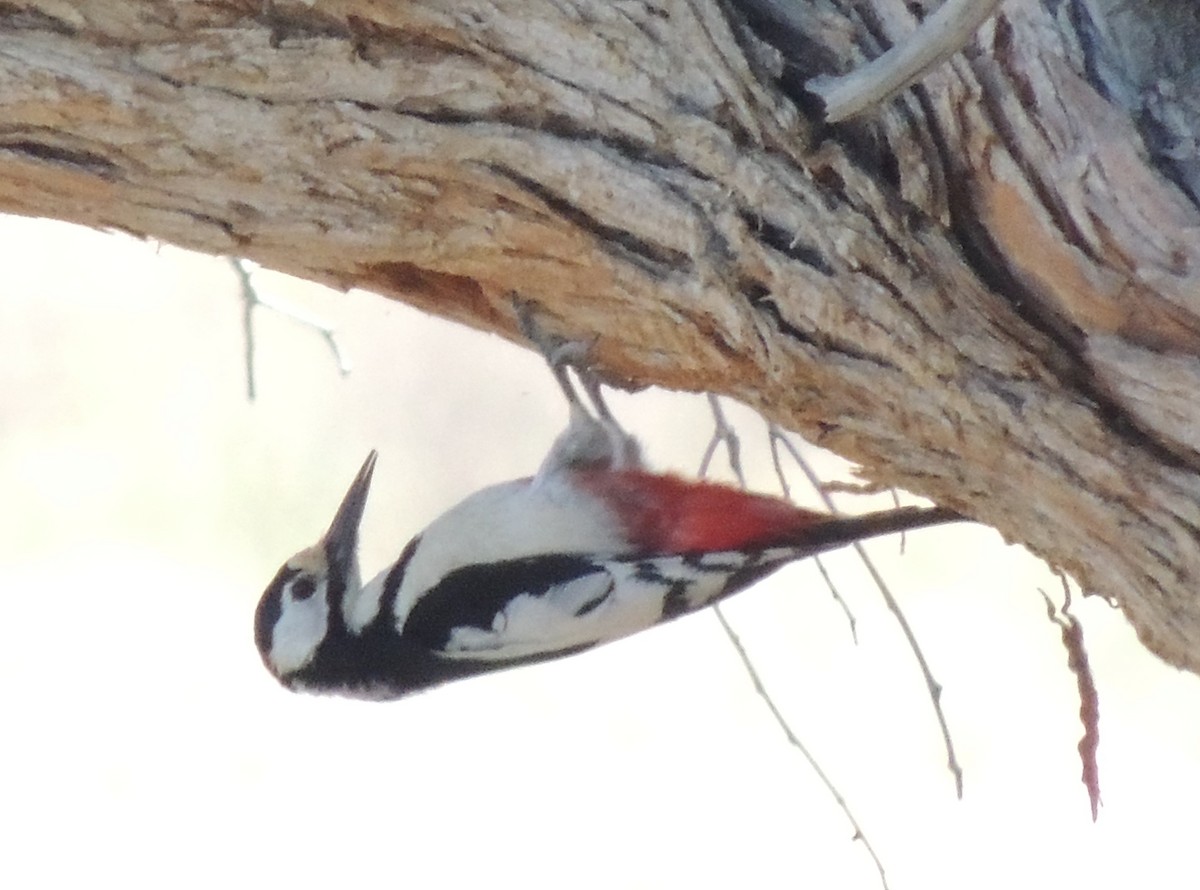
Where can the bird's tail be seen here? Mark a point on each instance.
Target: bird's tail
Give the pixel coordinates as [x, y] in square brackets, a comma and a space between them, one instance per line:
[838, 531]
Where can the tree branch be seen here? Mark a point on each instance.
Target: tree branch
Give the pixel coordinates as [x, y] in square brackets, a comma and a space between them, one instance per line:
[984, 292]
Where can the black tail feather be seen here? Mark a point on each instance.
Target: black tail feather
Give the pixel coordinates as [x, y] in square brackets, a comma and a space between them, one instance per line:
[840, 531]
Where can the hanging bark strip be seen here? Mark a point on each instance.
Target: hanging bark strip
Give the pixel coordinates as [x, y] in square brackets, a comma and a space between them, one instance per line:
[1089, 700]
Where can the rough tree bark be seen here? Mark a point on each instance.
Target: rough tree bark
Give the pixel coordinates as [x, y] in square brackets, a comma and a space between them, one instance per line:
[986, 291]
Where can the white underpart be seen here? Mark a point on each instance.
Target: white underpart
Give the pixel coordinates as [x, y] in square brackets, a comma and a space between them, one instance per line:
[301, 626]
[361, 605]
[358, 604]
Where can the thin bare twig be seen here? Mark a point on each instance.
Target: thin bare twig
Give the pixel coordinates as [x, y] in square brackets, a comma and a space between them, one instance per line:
[793, 739]
[931, 683]
[724, 434]
[846, 486]
[251, 298]
[786, 488]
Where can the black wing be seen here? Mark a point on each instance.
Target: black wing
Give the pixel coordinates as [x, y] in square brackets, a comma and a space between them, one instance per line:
[542, 606]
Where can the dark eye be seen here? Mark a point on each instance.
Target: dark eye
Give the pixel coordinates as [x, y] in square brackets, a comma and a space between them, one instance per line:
[303, 587]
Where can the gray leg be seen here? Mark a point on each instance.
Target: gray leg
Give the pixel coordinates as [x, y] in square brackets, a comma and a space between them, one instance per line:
[559, 354]
[587, 441]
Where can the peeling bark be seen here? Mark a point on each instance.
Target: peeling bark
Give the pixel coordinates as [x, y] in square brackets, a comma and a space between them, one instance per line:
[984, 292]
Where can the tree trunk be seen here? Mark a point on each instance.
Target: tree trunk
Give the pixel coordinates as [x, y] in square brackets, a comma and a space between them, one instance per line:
[985, 291]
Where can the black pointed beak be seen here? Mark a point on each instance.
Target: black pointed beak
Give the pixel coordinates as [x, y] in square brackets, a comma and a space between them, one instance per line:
[341, 541]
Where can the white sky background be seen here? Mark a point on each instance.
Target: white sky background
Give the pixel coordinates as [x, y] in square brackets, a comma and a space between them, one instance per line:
[146, 504]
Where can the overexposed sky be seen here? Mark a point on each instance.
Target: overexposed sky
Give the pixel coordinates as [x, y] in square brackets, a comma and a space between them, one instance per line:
[147, 503]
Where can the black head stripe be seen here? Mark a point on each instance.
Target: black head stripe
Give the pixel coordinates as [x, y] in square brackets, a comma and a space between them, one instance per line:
[395, 577]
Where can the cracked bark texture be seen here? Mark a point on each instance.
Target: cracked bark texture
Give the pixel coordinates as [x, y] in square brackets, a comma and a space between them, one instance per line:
[986, 292]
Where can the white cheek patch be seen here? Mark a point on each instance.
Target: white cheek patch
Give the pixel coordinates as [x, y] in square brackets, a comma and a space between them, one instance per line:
[299, 631]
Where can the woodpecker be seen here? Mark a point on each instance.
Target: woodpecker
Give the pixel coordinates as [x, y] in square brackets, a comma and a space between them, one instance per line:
[592, 548]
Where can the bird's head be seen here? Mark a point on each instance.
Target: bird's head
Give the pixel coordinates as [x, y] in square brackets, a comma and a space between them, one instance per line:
[302, 606]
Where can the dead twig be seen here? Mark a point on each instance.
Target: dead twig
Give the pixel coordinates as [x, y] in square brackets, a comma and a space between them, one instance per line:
[794, 741]
[252, 298]
[778, 437]
[724, 434]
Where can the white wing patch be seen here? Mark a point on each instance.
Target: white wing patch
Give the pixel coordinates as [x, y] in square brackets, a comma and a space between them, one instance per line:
[591, 609]
[618, 599]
